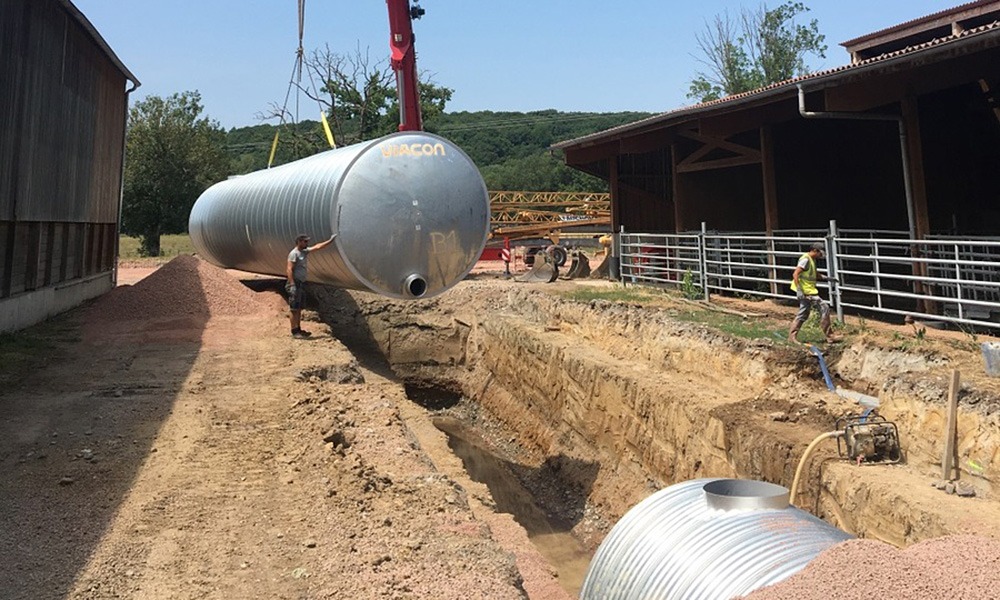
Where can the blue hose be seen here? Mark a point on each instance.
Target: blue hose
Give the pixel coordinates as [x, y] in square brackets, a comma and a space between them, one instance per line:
[822, 366]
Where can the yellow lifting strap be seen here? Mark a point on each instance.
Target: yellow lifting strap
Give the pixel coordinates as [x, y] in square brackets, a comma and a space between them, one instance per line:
[274, 148]
[326, 128]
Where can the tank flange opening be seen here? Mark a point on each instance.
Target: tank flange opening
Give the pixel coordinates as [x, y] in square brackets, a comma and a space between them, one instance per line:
[416, 285]
[741, 494]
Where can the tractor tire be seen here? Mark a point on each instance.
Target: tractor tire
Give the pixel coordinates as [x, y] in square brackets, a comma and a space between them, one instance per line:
[558, 254]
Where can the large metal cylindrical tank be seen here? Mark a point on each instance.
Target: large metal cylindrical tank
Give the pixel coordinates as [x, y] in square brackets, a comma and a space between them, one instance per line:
[410, 210]
[706, 539]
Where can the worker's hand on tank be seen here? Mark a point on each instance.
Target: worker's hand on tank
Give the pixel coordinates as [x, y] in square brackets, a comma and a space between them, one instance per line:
[290, 289]
[324, 243]
[800, 295]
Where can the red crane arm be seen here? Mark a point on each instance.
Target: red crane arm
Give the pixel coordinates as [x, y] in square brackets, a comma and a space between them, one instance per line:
[404, 62]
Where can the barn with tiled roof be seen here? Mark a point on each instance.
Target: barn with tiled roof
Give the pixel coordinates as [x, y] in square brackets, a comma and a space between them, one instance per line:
[906, 136]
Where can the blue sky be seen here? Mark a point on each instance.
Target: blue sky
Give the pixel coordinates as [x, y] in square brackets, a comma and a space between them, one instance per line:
[514, 55]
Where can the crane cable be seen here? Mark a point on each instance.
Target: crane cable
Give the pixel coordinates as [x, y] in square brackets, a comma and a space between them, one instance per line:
[295, 80]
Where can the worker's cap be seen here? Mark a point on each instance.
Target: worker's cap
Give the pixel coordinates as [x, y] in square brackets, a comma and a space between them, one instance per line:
[820, 246]
[302, 238]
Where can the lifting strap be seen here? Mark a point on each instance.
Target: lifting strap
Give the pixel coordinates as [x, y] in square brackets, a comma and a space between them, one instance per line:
[296, 81]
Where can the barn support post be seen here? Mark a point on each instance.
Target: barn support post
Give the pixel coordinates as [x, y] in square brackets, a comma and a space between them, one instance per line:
[769, 180]
[914, 154]
[678, 213]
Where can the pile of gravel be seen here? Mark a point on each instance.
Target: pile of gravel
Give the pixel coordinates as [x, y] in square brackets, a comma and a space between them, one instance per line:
[185, 287]
[956, 567]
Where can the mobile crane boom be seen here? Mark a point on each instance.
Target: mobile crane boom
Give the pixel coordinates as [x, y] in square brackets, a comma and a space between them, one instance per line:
[404, 62]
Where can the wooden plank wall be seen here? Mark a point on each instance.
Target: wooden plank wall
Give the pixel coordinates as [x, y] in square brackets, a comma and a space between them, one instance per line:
[62, 114]
[34, 255]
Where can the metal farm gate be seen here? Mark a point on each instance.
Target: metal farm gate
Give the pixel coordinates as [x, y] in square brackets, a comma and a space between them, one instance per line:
[944, 278]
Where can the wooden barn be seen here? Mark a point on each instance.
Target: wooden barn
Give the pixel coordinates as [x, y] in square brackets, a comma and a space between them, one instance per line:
[900, 143]
[63, 110]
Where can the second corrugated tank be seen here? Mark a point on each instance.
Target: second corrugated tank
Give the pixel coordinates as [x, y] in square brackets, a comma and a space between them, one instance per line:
[410, 210]
[706, 539]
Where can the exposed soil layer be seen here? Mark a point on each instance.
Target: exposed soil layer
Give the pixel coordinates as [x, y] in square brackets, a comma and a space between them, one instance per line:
[625, 398]
[186, 446]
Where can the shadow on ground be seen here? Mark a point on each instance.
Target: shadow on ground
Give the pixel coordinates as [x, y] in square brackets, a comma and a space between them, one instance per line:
[78, 419]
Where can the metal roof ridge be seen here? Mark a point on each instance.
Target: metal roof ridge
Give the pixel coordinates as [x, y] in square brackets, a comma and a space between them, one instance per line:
[762, 91]
[82, 19]
[918, 20]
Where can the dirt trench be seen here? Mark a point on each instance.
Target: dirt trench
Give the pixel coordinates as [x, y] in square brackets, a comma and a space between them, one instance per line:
[173, 441]
[605, 402]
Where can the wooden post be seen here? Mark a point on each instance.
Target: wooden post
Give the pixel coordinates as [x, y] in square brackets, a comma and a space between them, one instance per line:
[678, 214]
[770, 195]
[616, 201]
[949, 462]
[918, 186]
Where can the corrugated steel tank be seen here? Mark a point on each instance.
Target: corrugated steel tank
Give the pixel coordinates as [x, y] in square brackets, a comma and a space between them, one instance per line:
[706, 539]
[411, 212]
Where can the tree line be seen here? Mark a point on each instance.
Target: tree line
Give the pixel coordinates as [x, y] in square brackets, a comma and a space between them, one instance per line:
[511, 149]
[174, 151]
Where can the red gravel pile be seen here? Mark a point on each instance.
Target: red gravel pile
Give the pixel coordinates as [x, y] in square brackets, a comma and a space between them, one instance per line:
[957, 567]
[184, 287]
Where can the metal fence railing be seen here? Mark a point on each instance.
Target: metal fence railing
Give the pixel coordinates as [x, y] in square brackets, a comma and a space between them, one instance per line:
[661, 258]
[948, 278]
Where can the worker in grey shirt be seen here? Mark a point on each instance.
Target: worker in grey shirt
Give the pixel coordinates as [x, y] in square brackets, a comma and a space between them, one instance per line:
[295, 274]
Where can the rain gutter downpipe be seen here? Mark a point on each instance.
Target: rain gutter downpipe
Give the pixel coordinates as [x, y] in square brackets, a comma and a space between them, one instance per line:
[121, 184]
[911, 214]
[903, 146]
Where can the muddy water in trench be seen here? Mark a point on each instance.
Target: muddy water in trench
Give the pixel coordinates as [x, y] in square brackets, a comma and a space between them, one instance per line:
[552, 538]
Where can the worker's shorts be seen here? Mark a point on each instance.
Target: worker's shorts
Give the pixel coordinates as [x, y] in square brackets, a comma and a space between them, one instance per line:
[807, 303]
[296, 294]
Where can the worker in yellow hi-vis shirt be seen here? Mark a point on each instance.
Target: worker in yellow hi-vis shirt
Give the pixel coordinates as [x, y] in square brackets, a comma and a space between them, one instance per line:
[804, 285]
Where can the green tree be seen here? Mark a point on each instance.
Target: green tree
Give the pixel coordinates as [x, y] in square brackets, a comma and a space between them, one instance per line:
[355, 92]
[173, 154]
[512, 149]
[433, 100]
[765, 46]
[359, 98]
[539, 173]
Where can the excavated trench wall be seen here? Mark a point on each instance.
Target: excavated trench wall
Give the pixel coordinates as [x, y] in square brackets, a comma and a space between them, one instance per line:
[625, 399]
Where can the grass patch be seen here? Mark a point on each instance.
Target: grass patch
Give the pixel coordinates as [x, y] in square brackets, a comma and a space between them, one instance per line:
[753, 329]
[733, 325]
[618, 294]
[170, 246]
[811, 333]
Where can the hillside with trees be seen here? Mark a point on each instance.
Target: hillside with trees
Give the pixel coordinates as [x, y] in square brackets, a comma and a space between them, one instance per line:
[175, 151]
[511, 149]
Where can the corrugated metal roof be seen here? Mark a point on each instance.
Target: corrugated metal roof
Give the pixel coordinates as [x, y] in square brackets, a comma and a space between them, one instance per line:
[989, 31]
[92, 32]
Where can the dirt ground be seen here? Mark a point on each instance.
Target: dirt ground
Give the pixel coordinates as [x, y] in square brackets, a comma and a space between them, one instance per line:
[193, 449]
[172, 440]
